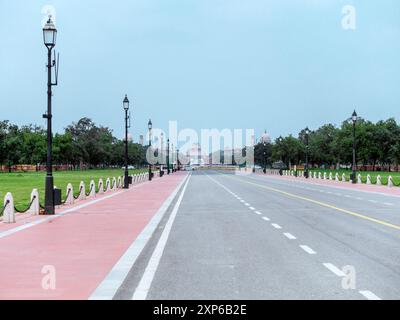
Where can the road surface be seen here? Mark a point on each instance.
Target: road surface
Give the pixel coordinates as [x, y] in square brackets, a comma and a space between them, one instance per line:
[230, 236]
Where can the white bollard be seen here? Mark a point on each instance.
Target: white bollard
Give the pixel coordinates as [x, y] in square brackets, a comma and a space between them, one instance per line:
[108, 185]
[9, 213]
[325, 175]
[101, 187]
[69, 194]
[390, 182]
[114, 184]
[359, 179]
[319, 175]
[343, 177]
[92, 189]
[337, 177]
[35, 206]
[330, 176]
[368, 179]
[82, 191]
[378, 180]
[119, 184]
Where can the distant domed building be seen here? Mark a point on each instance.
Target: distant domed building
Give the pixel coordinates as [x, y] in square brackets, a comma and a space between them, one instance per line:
[265, 138]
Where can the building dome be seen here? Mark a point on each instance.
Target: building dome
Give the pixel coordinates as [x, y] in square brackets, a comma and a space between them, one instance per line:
[265, 138]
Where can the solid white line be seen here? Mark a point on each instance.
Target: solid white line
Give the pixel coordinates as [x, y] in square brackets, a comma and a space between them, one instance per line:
[334, 269]
[143, 288]
[308, 249]
[369, 295]
[276, 226]
[289, 236]
[110, 285]
[266, 219]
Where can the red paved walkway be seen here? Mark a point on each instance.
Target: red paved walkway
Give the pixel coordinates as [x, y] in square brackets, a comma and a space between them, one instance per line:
[82, 246]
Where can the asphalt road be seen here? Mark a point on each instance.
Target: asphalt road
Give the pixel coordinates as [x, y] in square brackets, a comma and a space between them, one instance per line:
[257, 237]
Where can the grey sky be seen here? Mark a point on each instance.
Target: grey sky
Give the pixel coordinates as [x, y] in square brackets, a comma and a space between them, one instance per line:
[276, 65]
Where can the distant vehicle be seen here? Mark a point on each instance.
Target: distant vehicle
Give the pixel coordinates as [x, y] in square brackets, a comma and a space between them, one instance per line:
[279, 165]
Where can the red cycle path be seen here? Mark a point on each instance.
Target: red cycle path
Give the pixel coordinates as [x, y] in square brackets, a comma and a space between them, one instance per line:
[82, 246]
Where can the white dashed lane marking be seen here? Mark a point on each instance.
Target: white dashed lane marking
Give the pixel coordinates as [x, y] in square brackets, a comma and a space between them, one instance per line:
[369, 295]
[308, 249]
[334, 269]
[289, 236]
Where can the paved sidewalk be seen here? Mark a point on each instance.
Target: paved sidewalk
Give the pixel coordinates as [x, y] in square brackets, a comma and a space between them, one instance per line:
[395, 191]
[81, 246]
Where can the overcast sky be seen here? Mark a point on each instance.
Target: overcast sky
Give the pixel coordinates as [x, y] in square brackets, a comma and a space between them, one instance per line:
[263, 64]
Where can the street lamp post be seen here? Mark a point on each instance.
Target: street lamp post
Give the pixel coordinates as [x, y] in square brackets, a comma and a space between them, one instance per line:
[49, 37]
[354, 120]
[161, 156]
[126, 108]
[168, 170]
[177, 159]
[254, 154]
[307, 132]
[150, 126]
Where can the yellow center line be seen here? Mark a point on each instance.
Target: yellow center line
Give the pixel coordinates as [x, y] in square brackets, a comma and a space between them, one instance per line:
[323, 204]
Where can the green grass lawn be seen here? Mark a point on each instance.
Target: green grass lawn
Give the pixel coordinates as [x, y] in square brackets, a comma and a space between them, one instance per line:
[384, 175]
[22, 184]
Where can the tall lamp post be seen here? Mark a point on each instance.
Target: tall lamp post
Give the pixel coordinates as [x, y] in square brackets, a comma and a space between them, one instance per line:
[150, 126]
[254, 152]
[307, 133]
[265, 157]
[171, 160]
[354, 120]
[177, 159]
[126, 108]
[168, 170]
[162, 155]
[49, 37]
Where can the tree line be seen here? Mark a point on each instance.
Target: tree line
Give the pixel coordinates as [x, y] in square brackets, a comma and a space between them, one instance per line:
[82, 144]
[377, 146]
